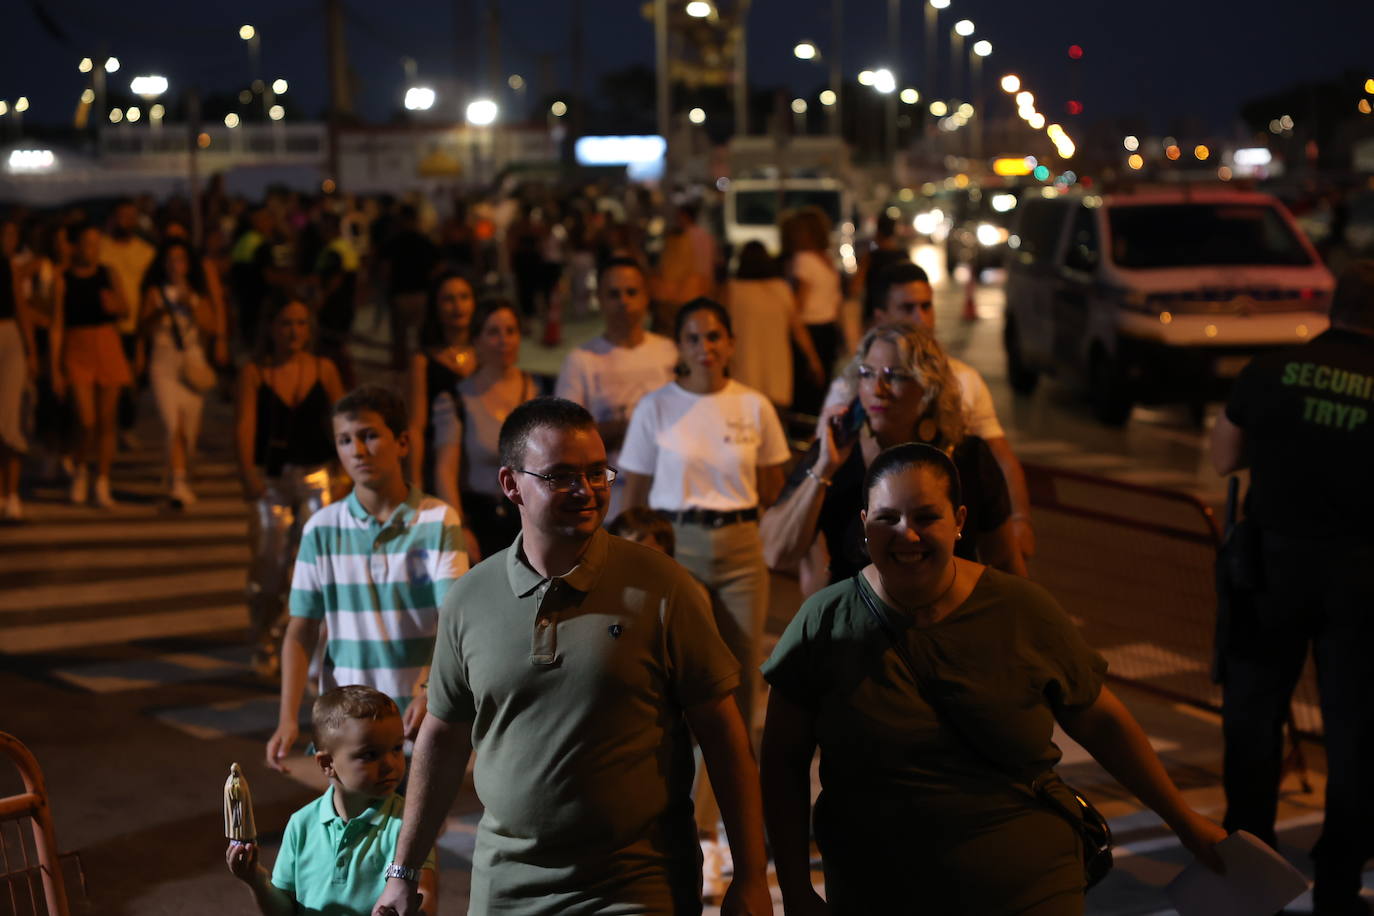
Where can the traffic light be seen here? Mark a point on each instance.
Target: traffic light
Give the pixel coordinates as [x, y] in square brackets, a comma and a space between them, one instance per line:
[1076, 52]
[1074, 107]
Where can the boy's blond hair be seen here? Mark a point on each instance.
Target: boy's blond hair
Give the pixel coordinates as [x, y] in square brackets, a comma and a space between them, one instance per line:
[354, 701]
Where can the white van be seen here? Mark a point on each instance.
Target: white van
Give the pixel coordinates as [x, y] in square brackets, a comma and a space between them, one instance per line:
[753, 207]
[1156, 296]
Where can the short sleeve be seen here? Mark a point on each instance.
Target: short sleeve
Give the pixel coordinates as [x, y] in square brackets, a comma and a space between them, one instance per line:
[790, 669]
[452, 560]
[572, 383]
[701, 666]
[639, 454]
[448, 425]
[284, 869]
[773, 447]
[1071, 671]
[994, 500]
[450, 696]
[979, 413]
[1243, 394]
[307, 589]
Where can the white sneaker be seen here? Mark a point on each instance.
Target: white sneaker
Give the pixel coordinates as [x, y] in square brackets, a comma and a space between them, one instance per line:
[181, 492]
[103, 499]
[81, 483]
[712, 874]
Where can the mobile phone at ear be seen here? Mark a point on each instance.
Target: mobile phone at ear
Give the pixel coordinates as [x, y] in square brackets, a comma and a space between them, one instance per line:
[846, 428]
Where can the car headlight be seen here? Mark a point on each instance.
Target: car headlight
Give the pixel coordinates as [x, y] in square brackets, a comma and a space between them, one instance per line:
[989, 235]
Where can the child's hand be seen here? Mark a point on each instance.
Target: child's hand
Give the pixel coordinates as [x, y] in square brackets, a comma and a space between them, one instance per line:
[280, 744]
[242, 859]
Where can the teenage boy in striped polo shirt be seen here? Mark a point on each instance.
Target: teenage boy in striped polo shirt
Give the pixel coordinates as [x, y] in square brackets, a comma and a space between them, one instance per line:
[374, 568]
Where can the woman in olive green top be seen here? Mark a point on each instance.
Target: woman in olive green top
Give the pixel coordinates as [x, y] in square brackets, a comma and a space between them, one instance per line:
[914, 816]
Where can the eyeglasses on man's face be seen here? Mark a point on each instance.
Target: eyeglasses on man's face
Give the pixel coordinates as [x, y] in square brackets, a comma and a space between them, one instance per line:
[565, 481]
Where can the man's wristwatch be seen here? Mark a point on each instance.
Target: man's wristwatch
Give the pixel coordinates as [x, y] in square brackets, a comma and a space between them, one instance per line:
[404, 872]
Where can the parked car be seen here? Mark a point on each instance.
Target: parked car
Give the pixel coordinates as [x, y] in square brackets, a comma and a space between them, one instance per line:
[979, 229]
[1156, 296]
[754, 206]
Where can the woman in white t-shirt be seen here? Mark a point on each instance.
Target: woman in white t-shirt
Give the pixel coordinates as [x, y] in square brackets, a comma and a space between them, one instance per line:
[811, 269]
[708, 452]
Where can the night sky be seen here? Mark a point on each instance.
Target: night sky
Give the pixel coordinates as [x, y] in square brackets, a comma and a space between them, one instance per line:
[1165, 60]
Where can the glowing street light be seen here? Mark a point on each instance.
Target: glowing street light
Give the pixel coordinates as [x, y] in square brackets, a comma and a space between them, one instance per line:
[1025, 99]
[884, 81]
[21, 104]
[148, 87]
[939, 109]
[939, 4]
[482, 112]
[1036, 120]
[516, 82]
[827, 97]
[866, 77]
[276, 112]
[982, 48]
[910, 96]
[231, 120]
[87, 96]
[1132, 143]
[86, 65]
[1201, 152]
[558, 109]
[697, 116]
[133, 114]
[116, 116]
[279, 87]
[805, 50]
[156, 113]
[246, 32]
[1011, 83]
[964, 27]
[699, 9]
[799, 106]
[1135, 161]
[1369, 85]
[419, 98]
[111, 64]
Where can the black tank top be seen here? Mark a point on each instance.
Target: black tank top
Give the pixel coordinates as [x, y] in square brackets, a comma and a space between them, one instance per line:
[439, 378]
[297, 435]
[7, 308]
[81, 307]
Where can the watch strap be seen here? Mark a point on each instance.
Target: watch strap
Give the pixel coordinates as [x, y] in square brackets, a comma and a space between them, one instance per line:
[404, 872]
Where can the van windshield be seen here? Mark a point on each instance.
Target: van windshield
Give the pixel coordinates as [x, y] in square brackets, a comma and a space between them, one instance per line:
[760, 208]
[1195, 235]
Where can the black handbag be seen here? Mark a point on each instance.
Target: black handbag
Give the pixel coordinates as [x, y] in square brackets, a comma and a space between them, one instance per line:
[1087, 821]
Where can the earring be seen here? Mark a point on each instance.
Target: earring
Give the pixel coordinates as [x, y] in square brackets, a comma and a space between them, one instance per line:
[958, 535]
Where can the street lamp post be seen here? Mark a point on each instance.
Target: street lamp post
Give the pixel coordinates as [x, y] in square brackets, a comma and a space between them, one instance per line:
[836, 76]
[962, 29]
[894, 54]
[980, 50]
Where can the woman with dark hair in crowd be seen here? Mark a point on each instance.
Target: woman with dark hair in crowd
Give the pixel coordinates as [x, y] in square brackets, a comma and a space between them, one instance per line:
[178, 317]
[285, 446]
[767, 327]
[811, 269]
[446, 357]
[932, 685]
[467, 426]
[92, 367]
[906, 392]
[708, 452]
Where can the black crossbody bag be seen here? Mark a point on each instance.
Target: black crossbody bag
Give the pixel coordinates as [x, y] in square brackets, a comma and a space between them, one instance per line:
[1087, 821]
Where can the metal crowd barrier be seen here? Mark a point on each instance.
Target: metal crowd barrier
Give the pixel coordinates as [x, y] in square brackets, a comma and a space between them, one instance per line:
[1134, 566]
[32, 876]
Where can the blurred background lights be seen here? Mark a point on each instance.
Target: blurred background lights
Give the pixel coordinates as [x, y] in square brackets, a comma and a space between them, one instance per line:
[419, 98]
[558, 109]
[1173, 152]
[982, 48]
[482, 112]
[279, 86]
[85, 66]
[799, 106]
[866, 77]
[246, 32]
[939, 109]
[87, 96]
[698, 9]
[1201, 152]
[963, 27]
[1132, 143]
[910, 96]
[111, 64]
[884, 81]
[1135, 161]
[148, 85]
[804, 50]
[116, 116]
[1011, 82]
[231, 120]
[827, 97]
[276, 112]
[697, 116]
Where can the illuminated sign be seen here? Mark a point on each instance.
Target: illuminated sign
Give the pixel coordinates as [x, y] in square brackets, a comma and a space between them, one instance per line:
[1011, 168]
[1252, 157]
[643, 150]
[32, 160]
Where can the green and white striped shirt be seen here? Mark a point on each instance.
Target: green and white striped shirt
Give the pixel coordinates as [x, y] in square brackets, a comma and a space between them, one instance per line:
[378, 589]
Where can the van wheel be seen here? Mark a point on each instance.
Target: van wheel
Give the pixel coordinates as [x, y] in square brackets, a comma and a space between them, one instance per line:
[1110, 400]
[1021, 376]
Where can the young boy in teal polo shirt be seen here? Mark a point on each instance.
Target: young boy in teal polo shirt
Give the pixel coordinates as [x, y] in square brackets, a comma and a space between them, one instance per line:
[335, 854]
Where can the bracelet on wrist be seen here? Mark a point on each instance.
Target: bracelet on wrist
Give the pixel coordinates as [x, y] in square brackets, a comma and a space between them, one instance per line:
[404, 872]
[817, 477]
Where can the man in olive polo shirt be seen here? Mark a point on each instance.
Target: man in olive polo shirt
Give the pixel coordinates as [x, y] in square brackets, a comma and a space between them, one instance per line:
[575, 663]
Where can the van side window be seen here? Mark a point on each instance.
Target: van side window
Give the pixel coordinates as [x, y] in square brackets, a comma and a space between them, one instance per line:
[1082, 253]
[1037, 231]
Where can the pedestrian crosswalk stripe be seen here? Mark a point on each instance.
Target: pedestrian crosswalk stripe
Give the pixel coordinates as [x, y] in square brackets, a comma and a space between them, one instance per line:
[117, 531]
[45, 597]
[104, 631]
[159, 670]
[115, 557]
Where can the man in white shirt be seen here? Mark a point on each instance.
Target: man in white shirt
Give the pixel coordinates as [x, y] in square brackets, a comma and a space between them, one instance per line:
[910, 298]
[609, 374]
[127, 257]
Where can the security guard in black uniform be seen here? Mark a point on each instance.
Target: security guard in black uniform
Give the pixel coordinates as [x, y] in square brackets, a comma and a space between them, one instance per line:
[1303, 421]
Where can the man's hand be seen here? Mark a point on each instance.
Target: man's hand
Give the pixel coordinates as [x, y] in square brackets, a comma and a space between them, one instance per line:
[746, 898]
[280, 744]
[415, 714]
[399, 898]
[242, 859]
